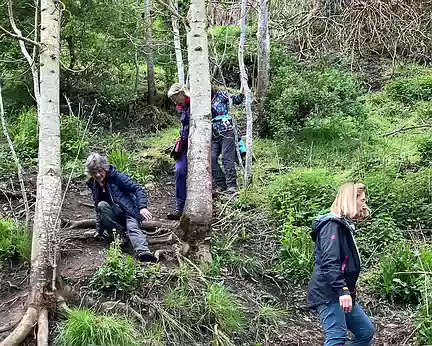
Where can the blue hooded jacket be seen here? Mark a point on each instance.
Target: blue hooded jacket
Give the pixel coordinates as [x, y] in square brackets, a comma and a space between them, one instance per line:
[124, 192]
[337, 260]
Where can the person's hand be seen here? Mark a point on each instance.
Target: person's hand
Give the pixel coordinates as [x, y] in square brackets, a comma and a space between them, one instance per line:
[346, 303]
[146, 214]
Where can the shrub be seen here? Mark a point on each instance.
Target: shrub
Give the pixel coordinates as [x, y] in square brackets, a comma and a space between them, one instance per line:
[223, 309]
[378, 233]
[298, 94]
[15, 240]
[401, 195]
[411, 90]
[303, 195]
[396, 285]
[425, 151]
[118, 272]
[296, 257]
[26, 136]
[423, 324]
[84, 328]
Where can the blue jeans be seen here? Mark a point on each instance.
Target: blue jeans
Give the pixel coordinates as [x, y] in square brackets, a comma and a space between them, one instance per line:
[336, 323]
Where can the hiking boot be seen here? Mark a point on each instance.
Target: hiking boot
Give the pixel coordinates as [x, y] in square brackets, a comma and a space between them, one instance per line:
[175, 216]
[146, 256]
[231, 190]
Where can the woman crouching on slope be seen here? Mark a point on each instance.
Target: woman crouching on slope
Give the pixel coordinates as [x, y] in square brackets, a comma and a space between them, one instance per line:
[332, 288]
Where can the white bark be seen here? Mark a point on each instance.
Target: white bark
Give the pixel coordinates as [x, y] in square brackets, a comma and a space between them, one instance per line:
[177, 43]
[248, 93]
[198, 209]
[263, 60]
[48, 198]
[151, 84]
[15, 158]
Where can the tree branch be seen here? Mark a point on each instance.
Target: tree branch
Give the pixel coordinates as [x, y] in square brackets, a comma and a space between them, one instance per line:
[19, 37]
[403, 129]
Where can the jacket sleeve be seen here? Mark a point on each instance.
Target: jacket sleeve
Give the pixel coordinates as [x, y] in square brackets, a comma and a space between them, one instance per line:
[237, 99]
[132, 187]
[331, 263]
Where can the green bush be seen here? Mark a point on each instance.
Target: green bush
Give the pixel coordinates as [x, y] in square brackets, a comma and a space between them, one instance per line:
[401, 195]
[26, 137]
[377, 234]
[117, 272]
[410, 90]
[425, 151]
[296, 257]
[298, 94]
[25, 134]
[85, 328]
[223, 309]
[396, 280]
[15, 240]
[303, 195]
[423, 322]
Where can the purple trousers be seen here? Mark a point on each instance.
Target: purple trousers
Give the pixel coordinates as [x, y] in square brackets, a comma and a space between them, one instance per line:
[180, 179]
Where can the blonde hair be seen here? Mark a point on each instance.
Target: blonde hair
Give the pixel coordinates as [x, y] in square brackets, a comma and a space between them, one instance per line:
[177, 88]
[345, 203]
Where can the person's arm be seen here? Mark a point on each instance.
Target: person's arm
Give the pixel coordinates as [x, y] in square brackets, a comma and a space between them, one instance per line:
[132, 187]
[237, 99]
[331, 262]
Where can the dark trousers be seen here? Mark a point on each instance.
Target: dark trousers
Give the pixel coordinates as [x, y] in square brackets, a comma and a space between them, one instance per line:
[224, 144]
[113, 216]
[180, 180]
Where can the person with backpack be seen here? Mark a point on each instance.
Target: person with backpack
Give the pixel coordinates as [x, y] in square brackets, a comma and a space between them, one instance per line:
[332, 288]
[121, 204]
[223, 140]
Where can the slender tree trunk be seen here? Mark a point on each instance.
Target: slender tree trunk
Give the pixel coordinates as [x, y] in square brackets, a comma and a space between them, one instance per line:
[248, 93]
[48, 199]
[198, 209]
[263, 63]
[136, 56]
[177, 43]
[151, 84]
[15, 158]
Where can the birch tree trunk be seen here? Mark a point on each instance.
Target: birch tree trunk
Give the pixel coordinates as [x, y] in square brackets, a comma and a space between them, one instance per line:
[177, 43]
[151, 84]
[263, 62]
[48, 198]
[248, 93]
[198, 208]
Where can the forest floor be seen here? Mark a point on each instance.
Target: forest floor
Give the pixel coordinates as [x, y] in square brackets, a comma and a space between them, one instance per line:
[80, 259]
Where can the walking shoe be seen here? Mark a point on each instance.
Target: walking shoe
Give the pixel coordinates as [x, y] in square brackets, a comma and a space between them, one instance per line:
[231, 190]
[175, 216]
[146, 256]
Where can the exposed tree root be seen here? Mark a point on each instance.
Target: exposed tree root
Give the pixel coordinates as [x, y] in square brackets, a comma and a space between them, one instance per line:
[42, 334]
[152, 225]
[23, 329]
[122, 308]
[9, 326]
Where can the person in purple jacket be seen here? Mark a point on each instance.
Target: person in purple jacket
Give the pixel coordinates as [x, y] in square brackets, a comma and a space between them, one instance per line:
[180, 96]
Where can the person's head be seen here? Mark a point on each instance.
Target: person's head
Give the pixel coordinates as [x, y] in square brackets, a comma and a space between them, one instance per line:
[97, 167]
[350, 202]
[178, 94]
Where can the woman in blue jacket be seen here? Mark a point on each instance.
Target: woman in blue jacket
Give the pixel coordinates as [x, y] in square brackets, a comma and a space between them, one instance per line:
[332, 288]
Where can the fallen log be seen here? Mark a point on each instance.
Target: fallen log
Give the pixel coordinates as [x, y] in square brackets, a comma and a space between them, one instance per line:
[151, 225]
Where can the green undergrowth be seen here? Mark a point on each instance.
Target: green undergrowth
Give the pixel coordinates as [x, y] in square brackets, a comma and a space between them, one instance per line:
[85, 327]
[15, 240]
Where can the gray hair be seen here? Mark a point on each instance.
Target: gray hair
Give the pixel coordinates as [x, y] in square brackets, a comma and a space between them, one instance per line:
[177, 88]
[95, 162]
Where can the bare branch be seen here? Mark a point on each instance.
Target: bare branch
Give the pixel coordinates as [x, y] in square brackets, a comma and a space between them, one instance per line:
[404, 129]
[19, 37]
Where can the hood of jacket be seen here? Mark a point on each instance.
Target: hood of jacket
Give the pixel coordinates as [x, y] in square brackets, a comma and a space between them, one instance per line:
[320, 221]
